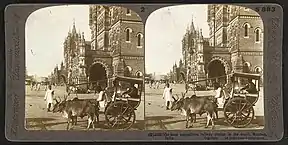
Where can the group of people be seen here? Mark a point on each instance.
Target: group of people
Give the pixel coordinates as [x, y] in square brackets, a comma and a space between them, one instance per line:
[35, 86]
[104, 99]
[154, 84]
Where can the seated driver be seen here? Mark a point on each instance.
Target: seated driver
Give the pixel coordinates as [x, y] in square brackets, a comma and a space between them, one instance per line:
[131, 91]
[250, 87]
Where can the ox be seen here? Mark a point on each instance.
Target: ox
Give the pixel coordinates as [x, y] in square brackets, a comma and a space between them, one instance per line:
[195, 105]
[78, 108]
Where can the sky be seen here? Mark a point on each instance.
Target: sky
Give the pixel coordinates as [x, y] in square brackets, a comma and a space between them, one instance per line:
[46, 30]
[164, 31]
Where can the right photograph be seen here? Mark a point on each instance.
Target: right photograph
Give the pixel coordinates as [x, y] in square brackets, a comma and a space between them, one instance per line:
[204, 68]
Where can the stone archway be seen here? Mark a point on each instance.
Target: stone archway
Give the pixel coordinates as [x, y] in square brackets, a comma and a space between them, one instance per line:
[218, 68]
[63, 79]
[99, 72]
[182, 76]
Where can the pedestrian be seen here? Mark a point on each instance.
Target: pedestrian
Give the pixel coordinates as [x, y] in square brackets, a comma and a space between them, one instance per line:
[157, 84]
[167, 96]
[38, 86]
[49, 96]
[102, 97]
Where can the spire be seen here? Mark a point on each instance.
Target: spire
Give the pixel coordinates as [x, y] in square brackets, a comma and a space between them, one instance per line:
[74, 27]
[192, 25]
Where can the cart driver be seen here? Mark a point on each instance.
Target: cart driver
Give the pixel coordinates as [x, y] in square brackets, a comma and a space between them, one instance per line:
[250, 87]
[132, 91]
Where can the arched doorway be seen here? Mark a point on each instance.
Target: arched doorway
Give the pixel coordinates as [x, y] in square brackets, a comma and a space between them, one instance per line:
[217, 69]
[98, 75]
[182, 77]
[63, 79]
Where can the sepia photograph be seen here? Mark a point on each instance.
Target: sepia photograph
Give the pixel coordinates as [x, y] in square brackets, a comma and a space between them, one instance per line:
[84, 68]
[204, 68]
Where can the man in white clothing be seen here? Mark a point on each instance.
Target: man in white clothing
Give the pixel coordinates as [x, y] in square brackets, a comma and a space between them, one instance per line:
[49, 96]
[167, 95]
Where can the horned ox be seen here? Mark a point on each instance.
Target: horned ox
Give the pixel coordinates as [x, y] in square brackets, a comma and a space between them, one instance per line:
[195, 105]
[78, 108]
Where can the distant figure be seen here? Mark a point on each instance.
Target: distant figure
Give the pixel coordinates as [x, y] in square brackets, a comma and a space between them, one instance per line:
[49, 96]
[167, 96]
[31, 86]
[157, 84]
[38, 86]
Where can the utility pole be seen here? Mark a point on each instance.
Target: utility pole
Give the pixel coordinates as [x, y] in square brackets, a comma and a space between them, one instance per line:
[214, 25]
[96, 28]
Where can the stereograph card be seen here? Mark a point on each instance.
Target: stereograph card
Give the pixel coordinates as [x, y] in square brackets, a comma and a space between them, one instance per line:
[139, 72]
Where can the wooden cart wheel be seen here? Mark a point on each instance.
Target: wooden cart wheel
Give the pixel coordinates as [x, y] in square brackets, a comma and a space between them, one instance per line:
[120, 115]
[239, 112]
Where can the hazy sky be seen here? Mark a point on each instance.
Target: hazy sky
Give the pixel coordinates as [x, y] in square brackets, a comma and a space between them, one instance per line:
[46, 30]
[164, 31]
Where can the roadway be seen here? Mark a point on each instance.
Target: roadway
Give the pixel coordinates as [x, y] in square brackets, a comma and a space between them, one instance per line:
[158, 118]
[37, 118]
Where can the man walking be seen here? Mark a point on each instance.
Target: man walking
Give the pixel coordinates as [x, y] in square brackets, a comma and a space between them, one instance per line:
[167, 95]
[49, 96]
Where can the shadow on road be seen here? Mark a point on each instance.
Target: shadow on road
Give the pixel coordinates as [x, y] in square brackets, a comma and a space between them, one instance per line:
[158, 117]
[39, 119]
[43, 124]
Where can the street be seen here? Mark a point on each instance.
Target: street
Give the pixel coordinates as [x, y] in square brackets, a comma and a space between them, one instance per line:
[158, 118]
[37, 118]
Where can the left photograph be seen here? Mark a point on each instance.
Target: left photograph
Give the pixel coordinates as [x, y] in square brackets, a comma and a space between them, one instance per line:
[84, 68]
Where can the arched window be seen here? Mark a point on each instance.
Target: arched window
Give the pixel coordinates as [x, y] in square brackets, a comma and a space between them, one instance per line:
[258, 70]
[246, 67]
[139, 74]
[246, 26]
[139, 37]
[128, 31]
[257, 35]
[127, 71]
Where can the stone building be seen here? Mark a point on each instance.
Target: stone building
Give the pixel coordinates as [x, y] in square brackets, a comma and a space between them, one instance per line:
[236, 45]
[116, 47]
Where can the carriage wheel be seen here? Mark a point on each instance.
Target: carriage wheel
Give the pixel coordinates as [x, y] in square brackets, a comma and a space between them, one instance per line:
[120, 115]
[239, 112]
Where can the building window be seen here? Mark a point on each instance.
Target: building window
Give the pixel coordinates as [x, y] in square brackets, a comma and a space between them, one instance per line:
[128, 31]
[246, 67]
[257, 35]
[139, 74]
[139, 38]
[258, 70]
[128, 12]
[127, 71]
[246, 30]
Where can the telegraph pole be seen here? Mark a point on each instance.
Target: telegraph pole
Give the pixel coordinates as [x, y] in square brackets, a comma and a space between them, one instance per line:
[214, 25]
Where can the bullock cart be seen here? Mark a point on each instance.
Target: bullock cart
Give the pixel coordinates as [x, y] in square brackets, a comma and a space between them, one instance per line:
[120, 113]
[236, 103]
[120, 109]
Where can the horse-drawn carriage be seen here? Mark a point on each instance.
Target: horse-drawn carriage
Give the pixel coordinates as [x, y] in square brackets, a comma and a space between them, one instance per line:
[120, 110]
[236, 104]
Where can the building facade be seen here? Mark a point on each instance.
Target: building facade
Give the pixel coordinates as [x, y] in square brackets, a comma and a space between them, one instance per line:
[116, 47]
[235, 44]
